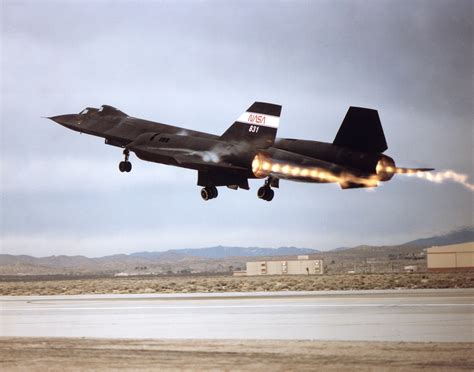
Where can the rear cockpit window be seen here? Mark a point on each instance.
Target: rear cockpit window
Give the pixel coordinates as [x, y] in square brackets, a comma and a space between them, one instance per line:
[83, 112]
[109, 110]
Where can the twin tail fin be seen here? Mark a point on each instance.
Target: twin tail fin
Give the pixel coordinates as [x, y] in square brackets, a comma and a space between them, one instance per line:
[257, 126]
[361, 130]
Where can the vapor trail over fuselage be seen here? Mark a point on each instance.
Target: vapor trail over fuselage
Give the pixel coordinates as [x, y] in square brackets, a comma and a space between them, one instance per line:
[249, 149]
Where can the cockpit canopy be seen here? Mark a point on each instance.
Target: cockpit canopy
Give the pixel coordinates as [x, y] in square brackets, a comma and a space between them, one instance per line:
[104, 110]
[110, 110]
[87, 111]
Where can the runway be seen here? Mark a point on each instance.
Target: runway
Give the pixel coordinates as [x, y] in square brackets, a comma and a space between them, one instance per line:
[401, 315]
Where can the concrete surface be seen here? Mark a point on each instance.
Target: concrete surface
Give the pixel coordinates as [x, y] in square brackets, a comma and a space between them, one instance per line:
[413, 315]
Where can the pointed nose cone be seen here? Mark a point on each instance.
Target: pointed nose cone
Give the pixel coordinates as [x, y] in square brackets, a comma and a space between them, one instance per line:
[66, 120]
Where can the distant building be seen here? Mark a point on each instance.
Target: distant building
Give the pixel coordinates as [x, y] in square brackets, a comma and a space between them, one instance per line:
[411, 268]
[122, 274]
[301, 266]
[240, 273]
[451, 257]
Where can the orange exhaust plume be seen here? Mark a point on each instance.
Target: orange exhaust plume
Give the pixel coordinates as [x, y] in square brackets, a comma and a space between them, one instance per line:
[435, 177]
[263, 166]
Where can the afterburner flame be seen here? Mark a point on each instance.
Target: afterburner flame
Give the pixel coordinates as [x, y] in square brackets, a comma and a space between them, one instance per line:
[263, 166]
[257, 166]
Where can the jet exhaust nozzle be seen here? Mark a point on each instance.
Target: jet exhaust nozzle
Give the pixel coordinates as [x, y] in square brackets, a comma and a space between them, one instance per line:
[385, 168]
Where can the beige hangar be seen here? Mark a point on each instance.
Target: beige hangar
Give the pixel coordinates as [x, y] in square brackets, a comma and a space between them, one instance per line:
[302, 266]
[454, 257]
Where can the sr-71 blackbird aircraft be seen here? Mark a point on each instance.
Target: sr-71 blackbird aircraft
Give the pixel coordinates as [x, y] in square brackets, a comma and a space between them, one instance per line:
[249, 149]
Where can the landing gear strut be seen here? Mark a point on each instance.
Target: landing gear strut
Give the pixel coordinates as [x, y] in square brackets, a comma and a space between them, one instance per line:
[209, 192]
[265, 192]
[125, 166]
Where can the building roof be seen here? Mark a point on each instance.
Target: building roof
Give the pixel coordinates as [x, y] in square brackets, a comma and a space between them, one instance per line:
[454, 248]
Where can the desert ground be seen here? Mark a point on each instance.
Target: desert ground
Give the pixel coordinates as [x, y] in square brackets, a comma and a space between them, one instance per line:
[81, 354]
[22, 286]
[60, 354]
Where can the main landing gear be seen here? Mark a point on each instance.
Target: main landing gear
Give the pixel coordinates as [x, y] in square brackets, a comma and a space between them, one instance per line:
[265, 192]
[125, 166]
[209, 192]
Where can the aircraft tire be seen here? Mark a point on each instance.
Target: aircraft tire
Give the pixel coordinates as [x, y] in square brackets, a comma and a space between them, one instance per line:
[205, 194]
[208, 193]
[262, 192]
[122, 166]
[270, 194]
[128, 166]
[265, 193]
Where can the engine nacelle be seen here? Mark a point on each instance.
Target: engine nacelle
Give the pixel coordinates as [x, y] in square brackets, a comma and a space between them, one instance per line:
[261, 166]
[283, 165]
[386, 168]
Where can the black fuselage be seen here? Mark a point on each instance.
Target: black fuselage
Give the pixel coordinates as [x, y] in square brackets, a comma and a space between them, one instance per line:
[248, 149]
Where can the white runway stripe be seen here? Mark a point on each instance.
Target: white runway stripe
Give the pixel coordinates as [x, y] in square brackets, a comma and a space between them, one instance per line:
[232, 307]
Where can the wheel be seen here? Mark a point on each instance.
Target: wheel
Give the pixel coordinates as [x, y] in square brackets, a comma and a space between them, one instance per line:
[265, 193]
[262, 192]
[128, 166]
[205, 194]
[122, 166]
[208, 193]
[214, 192]
[270, 195]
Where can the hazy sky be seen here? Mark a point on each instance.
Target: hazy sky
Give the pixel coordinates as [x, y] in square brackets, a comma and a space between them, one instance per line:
[199, 65]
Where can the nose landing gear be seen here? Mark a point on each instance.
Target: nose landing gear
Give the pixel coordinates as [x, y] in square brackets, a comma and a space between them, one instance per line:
[209, 192]
[125, 166]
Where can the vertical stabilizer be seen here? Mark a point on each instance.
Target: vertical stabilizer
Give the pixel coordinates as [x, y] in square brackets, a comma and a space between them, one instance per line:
[257, 126]
[361, 130]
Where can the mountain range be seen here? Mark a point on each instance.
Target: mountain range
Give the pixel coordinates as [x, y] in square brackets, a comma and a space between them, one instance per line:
[463, 235]
[211, 259]
[223, 252]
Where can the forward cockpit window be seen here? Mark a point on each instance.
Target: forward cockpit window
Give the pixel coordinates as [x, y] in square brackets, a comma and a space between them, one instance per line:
[104, 110]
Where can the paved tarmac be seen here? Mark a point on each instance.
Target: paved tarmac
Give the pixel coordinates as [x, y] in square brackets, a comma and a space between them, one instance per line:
[401, 315]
